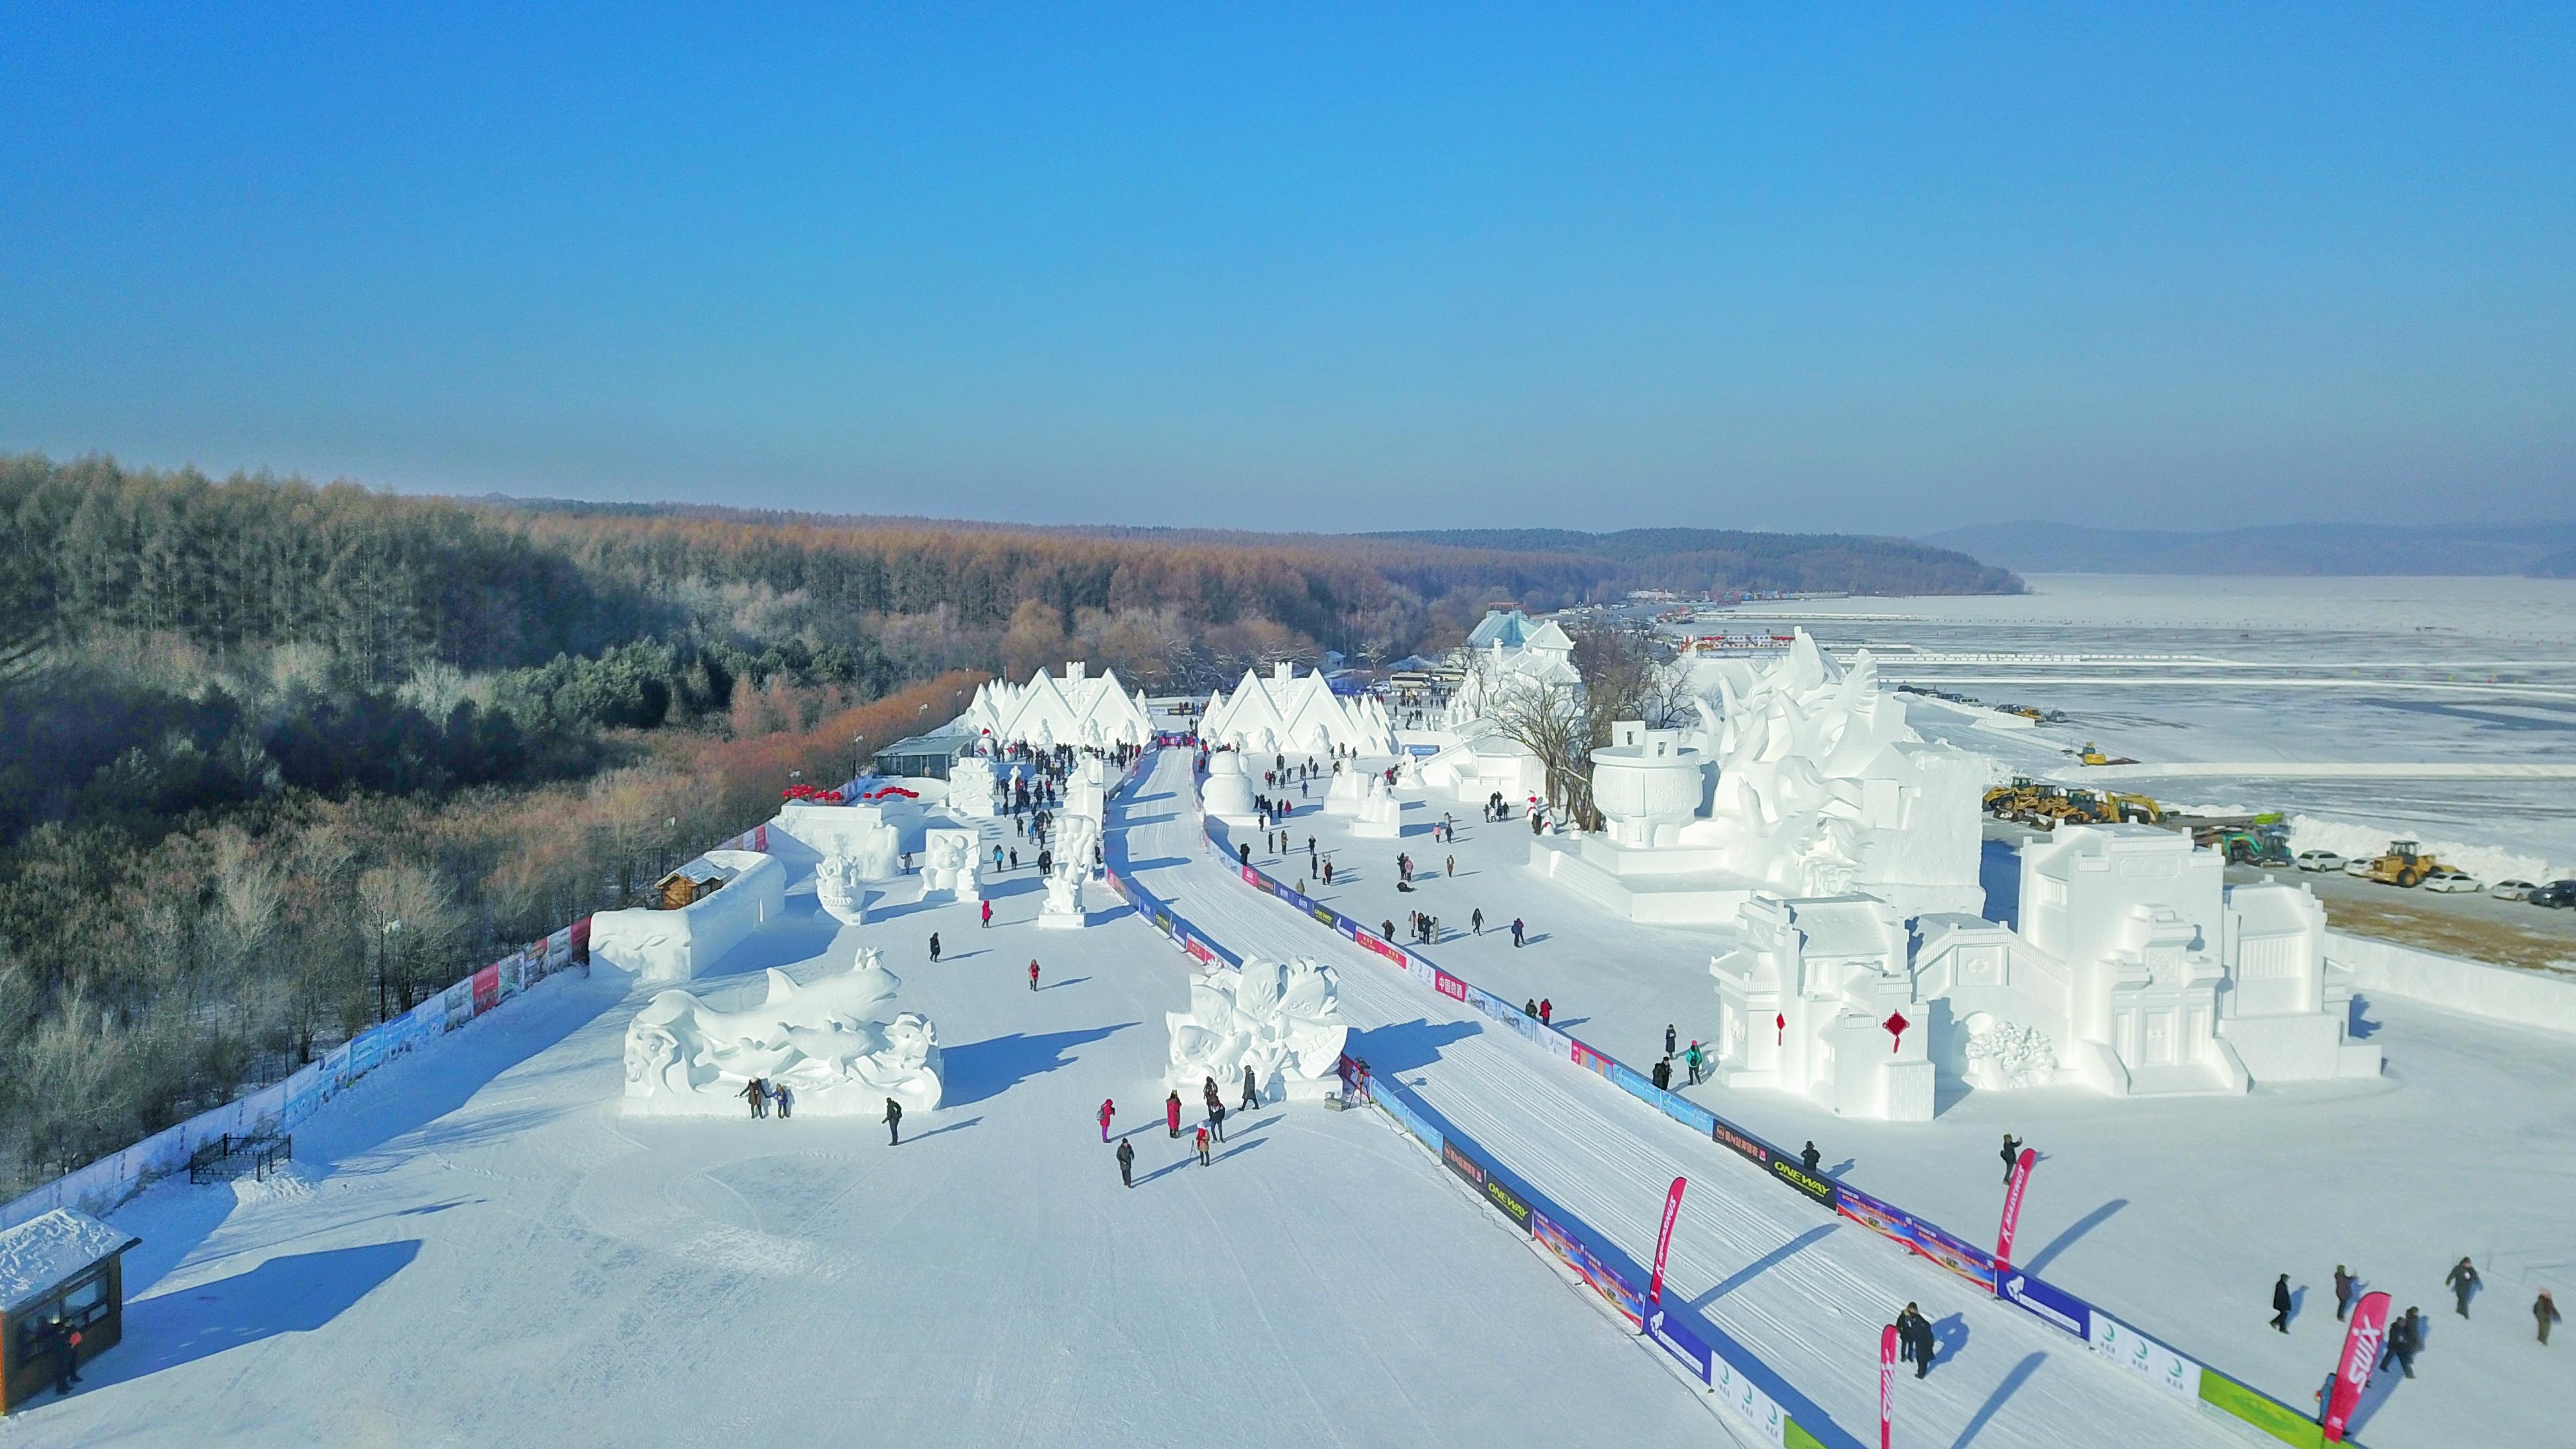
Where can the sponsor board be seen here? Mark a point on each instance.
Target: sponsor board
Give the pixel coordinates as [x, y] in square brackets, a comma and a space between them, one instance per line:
[486, 985]
[1448, 985]
[1680, 1342]
[1469, 1170]
[1727, 1135]
[1900, 1226]
[457, 1004]
[2143, 1356]
[1508, 1202]
[1384, 948]
[2258, 1409]
[1690, 1114]
[1613, 1289]
[1591, 1060]
[1327, 916]
[2059, 1310]
[1793, 1172]
[1747, 1404]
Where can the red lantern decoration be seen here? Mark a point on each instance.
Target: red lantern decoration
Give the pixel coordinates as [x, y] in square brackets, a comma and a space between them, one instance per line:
[1896, 1025]
[1780, 1023]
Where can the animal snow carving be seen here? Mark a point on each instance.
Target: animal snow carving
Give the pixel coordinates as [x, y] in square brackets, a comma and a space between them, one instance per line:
[836, 1042]
[1278, 1018]
[841, 890]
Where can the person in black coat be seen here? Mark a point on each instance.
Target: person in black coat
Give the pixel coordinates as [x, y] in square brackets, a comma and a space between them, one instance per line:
[2012, 1154]
[1664, 1074]
[894, 1123]
[1126, 1162]
[2345, 1283]
[1251, 1091]
[1924, 1345]
[2281, 1303]
[1810, 1158]
[1913, 1332]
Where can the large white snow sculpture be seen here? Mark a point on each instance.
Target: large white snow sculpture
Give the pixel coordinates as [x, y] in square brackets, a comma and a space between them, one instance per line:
[1289, 711]
[1076, 838]
[1281, 1019]
[1227, 793]
[970, 788]
[1080, 708]
[1381, 815]
[835, 1042]
[949, 857]
[841, 890]
[660, 945]
[1346, 794]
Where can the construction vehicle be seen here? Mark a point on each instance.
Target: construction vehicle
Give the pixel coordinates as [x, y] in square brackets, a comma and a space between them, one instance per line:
[2092, 754]
[2011, 802]
[2403, 865]
[2136, 809]
[2241, 845]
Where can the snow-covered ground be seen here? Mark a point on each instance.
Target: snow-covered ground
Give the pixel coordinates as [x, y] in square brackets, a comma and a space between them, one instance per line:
[2175, 1214]
[2310, 673]
[474, 1249]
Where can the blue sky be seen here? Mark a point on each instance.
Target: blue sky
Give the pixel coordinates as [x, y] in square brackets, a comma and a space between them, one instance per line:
[1881, 269]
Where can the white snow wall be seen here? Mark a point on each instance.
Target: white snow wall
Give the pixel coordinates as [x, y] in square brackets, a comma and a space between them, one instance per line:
[2500, 993]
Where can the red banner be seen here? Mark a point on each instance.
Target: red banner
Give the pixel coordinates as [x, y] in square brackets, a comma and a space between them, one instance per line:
[2362, 1344]
[2012, 1210]
[487, 988]
[1886, 1381]
[1664, 1241]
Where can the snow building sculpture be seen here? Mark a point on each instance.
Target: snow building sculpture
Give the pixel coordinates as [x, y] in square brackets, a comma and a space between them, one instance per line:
[970, 788]
[1281, 1019]
[870, 836]
[1078, 709]
[841, 890]
[678, 945]
[1227, 791]
[1293, 712]
[1381, 815]
[1076, 838]
[1348, 792]
[2136, 972]
[1807, 782]
[949, 858]
[836, 1043]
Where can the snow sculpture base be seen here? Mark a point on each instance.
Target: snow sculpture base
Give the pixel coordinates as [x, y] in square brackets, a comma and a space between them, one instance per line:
[1063, 909]
[1282, 1020]
[1344, 795]
[835, 1043]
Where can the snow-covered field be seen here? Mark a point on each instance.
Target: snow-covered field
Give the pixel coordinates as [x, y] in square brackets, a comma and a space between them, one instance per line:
[474, 1249]
[2310, 673]
[2175, 1214]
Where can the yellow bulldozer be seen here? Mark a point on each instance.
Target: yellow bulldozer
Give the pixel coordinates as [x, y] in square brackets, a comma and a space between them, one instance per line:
[2092, 754]
[2403, 865]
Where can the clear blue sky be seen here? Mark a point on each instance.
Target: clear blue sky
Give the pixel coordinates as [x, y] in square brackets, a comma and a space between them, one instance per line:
[1885, 269]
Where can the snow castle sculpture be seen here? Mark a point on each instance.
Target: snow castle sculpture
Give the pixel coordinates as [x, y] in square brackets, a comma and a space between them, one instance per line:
[1281, 1019]
[835, 1042]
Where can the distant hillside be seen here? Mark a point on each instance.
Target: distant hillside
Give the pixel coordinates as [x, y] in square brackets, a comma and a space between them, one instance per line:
[1691, 559]
[2538, 549]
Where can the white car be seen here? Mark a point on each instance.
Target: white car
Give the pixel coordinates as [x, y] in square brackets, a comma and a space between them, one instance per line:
[2450, 881]
[2510, 890]
[2356, 867]
[2321, 860]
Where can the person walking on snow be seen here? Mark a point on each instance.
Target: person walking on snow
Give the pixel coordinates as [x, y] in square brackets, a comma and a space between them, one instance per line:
[1516, 933]
[1908, 1324]
[1203, 1145]
[64, 1340]
[1692, 1060]
[1172, 1113]
[1668, 1038]
[2404, 1339]
[934, 948]
[1108, 1109]
[1251, 1091]
[2463, 1281]
[894, 1123]
[988, 915]
[1546, 1009]
[786, 1101]
[2012, 1155]
[1207, 1094]
[1476, 918]
[2545, 1313]
[2281, 1303]
[1216, 1118]
[1033, 973]
[2344, 1285]
[756, 1092]
[1663, 1074]
[1126, 1162]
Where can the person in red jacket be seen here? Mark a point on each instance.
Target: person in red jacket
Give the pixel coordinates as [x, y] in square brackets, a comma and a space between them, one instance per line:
[1172, 1113]
[1546, 1009]
[1108, 1109]
[1033, 975]
[988, 914]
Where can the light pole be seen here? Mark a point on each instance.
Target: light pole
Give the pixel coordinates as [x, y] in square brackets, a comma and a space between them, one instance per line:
[384, 948]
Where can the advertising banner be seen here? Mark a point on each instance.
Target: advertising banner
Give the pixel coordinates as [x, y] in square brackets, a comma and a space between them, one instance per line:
[1469, 1170]
[579, 940]
[2052, 1306]
[1680, 1342]
[1589, 1059]
[2143, 1356]
[1740, 1142]
[1737, 1395]
[1384, 948]
[1326, 915]
[1690, 1114]
[486, 985]
[1664, 1241]
[1417, 968]
[2362, 1344]
[559, 948]
[1448, 985]
[1903, 1227]
[2259, 1409]
[1886, 1382]
[1508, 1202]
[1627, 1080]
[457, 1004]
[2012, 1207]
[364, 1053]
[1794, 1172]
[760, 835]
[1599, 1275]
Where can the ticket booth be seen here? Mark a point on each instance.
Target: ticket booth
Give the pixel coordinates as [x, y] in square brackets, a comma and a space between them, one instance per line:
[61, 1267]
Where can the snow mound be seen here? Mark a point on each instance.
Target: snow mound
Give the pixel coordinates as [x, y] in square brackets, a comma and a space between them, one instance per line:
[285, 1182]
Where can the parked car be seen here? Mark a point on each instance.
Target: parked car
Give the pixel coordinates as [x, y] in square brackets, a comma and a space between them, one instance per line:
[2321, 860]
[2511, 890]
[2359, 867]
[2560, 894]
[2452, 882]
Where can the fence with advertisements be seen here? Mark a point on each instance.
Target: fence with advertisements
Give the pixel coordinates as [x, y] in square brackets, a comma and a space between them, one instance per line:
[279, 1106]
[2109, 1338]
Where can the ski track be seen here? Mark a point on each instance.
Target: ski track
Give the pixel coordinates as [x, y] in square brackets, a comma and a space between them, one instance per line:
[1812, 1317]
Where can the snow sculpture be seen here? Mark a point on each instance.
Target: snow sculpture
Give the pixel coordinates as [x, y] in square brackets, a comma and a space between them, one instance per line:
[1076, 837]
[660, 945]
[1227, 793]
[1290, 711]
[2005, 1054]
[949, 858]
[1079, 709]
[1381, 815]
[970, 788]
[1281, 1019]
[1345, 795]
[835, 1043]
[841, 890]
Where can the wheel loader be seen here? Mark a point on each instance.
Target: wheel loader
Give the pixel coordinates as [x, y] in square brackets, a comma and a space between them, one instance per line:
[2403, 865]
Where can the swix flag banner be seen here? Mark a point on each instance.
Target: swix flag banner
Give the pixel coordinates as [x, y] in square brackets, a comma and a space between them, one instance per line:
[2362, 1343]
[2012, 1209]
[1886, 1381]
[1664, 1241]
